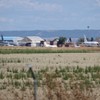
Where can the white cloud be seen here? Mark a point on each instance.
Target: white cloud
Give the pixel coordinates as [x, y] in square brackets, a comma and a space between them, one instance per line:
[2, 19]
[30, 4]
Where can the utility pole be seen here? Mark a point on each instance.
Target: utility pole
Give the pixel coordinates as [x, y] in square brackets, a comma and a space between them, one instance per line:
[34, 81]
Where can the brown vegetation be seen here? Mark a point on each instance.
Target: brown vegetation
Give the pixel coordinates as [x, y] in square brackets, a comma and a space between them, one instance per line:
[56, 81]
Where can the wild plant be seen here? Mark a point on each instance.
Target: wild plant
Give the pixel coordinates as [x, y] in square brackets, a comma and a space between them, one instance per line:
[57, 73]
[29, 84]
[2, 75]
[2, 87]
[23, 70]
[66, 76]
[84, 58]
[18, 61]
[17, 84]
[8, 69]
[10, 76]
[28, 74]
[88, 83]
[23, 87]
[19, 76]
[14, 70]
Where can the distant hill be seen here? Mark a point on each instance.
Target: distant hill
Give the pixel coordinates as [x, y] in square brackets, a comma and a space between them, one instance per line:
[53, 33]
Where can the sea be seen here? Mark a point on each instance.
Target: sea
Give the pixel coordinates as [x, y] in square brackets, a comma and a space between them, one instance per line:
[53, 33]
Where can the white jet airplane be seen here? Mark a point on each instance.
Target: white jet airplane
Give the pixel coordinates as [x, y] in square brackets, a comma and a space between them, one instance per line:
[6, 43]
[90, 43]
[47, 45]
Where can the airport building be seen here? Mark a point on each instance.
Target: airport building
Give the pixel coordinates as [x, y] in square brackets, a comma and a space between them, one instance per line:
[33, 41]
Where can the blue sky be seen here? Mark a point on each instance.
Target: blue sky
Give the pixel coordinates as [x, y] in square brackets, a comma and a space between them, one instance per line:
[49, 14]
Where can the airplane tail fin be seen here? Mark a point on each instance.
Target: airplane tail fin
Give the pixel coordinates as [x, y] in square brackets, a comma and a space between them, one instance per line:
[85, 39]
[2, 38]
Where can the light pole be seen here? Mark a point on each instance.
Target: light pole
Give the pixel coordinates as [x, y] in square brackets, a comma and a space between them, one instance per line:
[34, 80]
[88, 27]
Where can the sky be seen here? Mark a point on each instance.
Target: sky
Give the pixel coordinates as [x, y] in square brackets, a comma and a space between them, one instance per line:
[49, 14]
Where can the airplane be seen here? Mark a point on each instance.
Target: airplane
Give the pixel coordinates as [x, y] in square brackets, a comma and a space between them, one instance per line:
[6, 43]
[47, 45]
[90, 43]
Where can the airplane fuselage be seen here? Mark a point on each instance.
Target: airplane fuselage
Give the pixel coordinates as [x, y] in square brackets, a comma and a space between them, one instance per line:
[91, 43]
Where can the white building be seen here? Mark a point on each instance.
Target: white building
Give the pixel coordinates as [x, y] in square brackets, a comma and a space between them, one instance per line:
[33, 41]
[36, 41]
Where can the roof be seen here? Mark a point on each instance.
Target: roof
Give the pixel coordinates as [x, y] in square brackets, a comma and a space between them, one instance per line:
[35, 38]
[26, 39]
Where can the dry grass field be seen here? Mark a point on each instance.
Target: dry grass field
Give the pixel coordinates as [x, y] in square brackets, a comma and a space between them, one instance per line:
[60, 76]
[58, 48]
[40, 61]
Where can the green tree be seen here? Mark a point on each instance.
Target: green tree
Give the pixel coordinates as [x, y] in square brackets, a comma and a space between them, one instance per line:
[61, 41]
